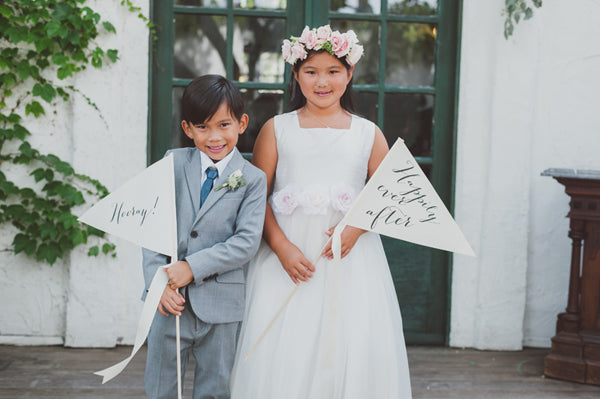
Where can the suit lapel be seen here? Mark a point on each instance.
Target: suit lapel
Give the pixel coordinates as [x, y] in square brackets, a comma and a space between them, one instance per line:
[194, 185]
[236, 162]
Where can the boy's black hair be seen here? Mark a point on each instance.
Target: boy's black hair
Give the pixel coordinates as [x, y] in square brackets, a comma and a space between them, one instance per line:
[297, 99]
[203, 96]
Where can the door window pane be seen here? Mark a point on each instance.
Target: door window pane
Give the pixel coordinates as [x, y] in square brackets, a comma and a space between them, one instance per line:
[412, 7]
[410, 57]
[260, 105]
[200, 45]
[366, 70]
[203, 3]
[410, 116]
[261, 4]
[178, 137]
[257, 49]
[366, 104]
[356, 6]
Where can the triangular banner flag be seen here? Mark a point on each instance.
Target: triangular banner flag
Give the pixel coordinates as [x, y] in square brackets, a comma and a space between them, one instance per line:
[142, 210]
[400, 202]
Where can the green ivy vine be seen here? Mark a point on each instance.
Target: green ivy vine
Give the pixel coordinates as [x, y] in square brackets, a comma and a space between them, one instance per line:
[515, 10]
[43, 42]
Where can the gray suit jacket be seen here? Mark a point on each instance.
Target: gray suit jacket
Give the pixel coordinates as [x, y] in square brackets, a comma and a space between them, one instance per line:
[217, 239]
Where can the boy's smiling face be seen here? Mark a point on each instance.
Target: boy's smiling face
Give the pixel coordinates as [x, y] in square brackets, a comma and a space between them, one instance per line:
[217, 136]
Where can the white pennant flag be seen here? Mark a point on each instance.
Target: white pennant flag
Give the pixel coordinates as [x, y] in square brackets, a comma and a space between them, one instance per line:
[400, 202]
[141, 210]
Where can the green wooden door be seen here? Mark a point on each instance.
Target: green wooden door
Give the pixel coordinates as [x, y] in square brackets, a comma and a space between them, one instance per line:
[406, 83]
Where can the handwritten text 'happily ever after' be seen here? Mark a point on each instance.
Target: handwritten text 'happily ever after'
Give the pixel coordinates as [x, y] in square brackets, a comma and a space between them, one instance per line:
[407, 201]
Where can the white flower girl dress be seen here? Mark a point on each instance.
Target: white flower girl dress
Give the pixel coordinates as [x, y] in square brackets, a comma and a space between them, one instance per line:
[340, 336]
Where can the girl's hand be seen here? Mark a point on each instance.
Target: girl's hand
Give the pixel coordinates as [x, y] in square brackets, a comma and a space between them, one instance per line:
[295, 263]
[349, 237]
[171, 302]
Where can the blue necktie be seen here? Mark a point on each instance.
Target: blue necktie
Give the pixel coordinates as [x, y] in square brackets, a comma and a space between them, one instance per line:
[211, 175]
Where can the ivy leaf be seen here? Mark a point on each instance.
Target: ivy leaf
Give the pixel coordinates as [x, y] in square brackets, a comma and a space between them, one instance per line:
[48, 252]
[109, 27]
[48, 92]
[22, 243]
[48, 230]
[6, 11]
[94, 251]
[528, 13]
[67, 220]
[53, 28]
[78, 237]
[34, 108]
[23, 70]
[107, 247]
[113, 55]
[20, 132]
[41, 173]
[60, 59]
[62, 11]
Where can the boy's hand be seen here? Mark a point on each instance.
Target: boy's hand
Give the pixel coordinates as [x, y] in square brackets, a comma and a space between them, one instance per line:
[171, 302]
[180, 274]
[349, 237]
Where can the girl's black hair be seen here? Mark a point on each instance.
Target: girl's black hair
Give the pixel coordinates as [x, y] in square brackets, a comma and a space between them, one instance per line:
[297, 99]
[205, 94]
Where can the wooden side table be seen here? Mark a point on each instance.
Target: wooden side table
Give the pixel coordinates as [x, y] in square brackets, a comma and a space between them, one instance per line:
[575, 353]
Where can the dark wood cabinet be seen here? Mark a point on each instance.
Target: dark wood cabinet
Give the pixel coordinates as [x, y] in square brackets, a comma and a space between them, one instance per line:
[575, 353]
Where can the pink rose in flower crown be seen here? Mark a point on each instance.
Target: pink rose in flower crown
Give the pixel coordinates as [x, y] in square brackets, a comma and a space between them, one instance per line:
[352, 38]
[355, 53]
[323, 34]
[298, 51]
[339, 44]
[286, 50]
[309, 38]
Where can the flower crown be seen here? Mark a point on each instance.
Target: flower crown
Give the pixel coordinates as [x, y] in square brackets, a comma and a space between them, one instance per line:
[322, 38]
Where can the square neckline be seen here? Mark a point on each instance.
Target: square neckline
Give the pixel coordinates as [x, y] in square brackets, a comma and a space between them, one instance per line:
[334, 129]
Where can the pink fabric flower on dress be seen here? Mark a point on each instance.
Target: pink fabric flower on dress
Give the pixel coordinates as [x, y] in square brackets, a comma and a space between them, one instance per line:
[315, 201]
[309, 38]
[342, 198]
[285, 200]
[340, 44]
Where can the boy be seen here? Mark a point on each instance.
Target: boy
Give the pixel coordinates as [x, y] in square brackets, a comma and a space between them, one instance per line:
[220, 199]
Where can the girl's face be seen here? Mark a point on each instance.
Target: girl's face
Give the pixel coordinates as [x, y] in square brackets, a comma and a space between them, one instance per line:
[323, 80]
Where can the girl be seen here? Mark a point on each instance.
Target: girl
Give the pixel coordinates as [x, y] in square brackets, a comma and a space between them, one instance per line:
[340, 336]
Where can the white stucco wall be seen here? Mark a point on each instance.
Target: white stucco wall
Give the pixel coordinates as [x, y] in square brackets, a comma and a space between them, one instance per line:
[82, 301]
[526, 104]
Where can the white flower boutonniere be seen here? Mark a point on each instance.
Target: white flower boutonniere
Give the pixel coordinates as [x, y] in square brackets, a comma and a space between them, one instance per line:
[234, 181]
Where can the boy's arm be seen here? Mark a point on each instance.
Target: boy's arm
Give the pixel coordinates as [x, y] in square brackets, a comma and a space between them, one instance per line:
[238, 249]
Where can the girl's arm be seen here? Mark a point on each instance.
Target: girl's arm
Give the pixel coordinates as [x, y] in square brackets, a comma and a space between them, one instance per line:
[292, 259]
[350, 234]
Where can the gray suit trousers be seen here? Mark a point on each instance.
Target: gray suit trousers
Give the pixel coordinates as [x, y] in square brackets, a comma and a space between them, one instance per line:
[213, 348]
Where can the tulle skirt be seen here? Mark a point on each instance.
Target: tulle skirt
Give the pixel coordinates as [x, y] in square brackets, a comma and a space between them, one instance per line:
[340, 336]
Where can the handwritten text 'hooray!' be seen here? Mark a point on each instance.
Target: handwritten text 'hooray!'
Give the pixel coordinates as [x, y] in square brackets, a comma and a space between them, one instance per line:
[123, 213]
